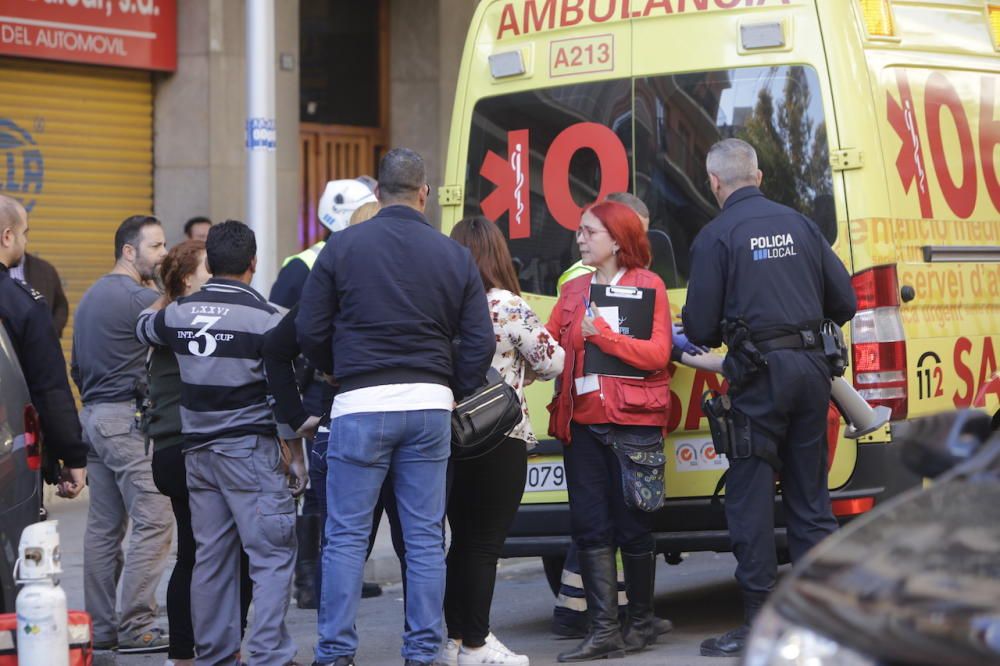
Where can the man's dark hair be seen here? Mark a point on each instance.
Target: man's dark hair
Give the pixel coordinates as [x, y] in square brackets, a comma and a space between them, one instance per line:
[401, 174]
[230, 248]
[129, 231]
[197, 219]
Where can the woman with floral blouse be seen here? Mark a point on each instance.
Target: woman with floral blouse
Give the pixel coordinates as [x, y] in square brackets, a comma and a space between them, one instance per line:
[487, 490]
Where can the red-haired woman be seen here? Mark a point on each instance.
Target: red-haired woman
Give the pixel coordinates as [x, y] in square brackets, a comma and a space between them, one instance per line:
[613, 428]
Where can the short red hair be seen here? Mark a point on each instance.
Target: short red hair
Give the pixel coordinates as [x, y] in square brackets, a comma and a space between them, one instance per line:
[624, 227]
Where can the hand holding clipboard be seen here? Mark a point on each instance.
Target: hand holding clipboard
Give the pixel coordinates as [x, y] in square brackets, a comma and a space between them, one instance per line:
[587, 326]
[632, 311]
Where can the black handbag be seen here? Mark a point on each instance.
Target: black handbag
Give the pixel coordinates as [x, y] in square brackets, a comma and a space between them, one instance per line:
[485, 419]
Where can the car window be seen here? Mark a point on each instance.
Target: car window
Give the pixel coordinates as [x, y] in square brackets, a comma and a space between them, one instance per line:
[677, 119]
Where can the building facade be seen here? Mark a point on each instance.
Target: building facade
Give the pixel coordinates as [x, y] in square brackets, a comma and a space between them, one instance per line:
[106, 114]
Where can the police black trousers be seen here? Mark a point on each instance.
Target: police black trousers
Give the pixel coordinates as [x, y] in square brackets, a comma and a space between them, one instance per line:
[787, 405]
[598, 513]
[485, 494]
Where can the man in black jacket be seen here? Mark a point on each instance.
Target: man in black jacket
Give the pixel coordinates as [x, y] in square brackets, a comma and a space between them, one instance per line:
[392, 296]
[763, 279]
[25, 315]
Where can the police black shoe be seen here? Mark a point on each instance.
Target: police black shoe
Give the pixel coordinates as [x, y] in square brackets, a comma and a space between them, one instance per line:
[729, 644]
[340, 661]
[662, 625]
[369, 590]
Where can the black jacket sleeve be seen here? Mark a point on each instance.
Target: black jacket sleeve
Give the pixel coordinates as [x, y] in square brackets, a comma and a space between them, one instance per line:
[476, 339]
[839, 301]
[287, 289]
[279, 351]
[45, 373]
[319, 304]
[702, 312]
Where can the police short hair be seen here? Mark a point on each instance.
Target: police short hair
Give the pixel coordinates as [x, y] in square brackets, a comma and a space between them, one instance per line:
[733, 161]
[401, 174]
[230, 248]
[632, 201]
[10, 212]
[130, 230]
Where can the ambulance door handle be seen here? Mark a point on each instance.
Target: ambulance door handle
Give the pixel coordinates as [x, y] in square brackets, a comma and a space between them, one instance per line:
[907, 293]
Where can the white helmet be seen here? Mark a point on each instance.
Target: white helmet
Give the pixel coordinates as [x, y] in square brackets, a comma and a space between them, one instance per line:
[340, 199]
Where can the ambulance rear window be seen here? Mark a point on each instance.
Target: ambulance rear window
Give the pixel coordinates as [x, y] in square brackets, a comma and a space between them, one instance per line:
[539, 156]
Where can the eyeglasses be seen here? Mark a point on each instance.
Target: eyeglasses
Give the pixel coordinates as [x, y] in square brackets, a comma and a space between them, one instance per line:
[587, 232]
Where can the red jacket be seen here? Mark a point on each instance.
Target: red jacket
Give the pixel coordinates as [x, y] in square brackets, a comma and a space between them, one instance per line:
[620, 400]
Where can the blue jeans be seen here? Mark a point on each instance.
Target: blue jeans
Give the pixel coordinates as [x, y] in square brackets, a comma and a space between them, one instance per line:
[315, 505]
[362, 449]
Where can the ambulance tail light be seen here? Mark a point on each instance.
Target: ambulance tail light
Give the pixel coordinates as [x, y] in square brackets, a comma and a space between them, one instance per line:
[32, 438]
[879, 342]
[876, 15]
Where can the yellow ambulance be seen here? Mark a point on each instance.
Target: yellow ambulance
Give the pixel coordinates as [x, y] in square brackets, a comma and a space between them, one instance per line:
[878, 119]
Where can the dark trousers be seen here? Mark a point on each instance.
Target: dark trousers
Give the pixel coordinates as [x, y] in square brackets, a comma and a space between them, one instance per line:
[787, 405]
[598, 513]
[170, 477]
[485, 494]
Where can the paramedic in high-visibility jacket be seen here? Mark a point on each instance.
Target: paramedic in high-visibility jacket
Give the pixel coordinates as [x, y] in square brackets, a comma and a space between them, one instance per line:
[764, 273]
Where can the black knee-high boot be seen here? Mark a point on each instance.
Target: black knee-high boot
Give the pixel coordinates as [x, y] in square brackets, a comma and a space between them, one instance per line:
[600, 584]
[640, 577]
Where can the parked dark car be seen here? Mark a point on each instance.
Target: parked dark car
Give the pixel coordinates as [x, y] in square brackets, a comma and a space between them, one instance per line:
[914, 582]
[20, 461]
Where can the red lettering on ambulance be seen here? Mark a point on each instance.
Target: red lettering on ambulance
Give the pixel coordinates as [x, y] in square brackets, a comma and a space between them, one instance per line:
[988, 365]
[910, 161]
[606, 16]
[535, 20]
[963, 346]
[571, 7]
[653, 4]
[989, 137]
[939, 93]
[513, 192]
[508, 21]
[613, 161]
[674, 414]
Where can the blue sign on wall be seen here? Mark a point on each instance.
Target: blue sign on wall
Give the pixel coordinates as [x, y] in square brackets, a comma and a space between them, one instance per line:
[22, 169]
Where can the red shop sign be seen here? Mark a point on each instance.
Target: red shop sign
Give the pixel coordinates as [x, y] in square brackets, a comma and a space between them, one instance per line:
[141, 34]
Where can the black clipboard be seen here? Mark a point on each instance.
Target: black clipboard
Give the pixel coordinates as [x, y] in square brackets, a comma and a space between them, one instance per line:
[635, 319]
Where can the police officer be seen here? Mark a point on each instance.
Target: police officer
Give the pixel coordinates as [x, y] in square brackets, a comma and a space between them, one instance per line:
[763, 279]
[28, 322]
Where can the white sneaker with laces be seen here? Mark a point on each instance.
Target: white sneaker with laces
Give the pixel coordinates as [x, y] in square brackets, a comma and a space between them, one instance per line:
[494, 652]
[449, 653]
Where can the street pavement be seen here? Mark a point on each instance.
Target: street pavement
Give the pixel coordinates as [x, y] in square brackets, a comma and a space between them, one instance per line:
[698, 595]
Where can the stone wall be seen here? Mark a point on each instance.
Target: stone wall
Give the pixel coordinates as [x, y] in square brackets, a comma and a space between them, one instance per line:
[426, 42]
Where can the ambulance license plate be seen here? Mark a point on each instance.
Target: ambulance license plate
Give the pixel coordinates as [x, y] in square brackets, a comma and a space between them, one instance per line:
[544, 476]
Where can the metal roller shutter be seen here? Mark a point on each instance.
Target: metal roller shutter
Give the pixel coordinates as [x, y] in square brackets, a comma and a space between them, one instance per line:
[79, 152]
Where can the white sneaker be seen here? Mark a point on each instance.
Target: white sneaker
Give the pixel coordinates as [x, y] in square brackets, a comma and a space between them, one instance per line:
[494, 652]
[449, 653]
